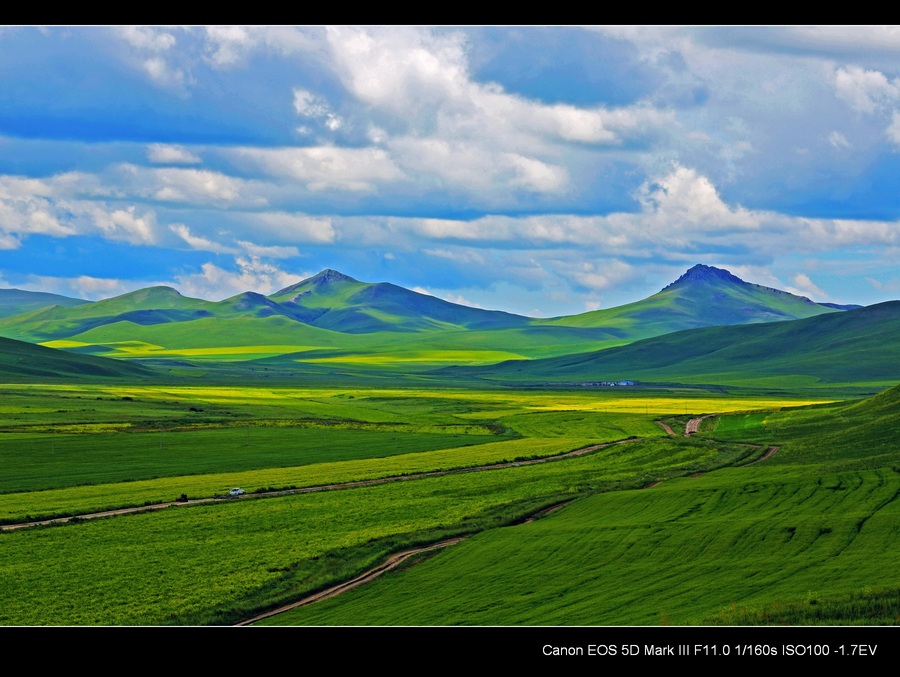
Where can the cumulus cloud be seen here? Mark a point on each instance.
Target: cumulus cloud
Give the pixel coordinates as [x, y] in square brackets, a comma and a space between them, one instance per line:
[299, 227]
[686, 200]
[200, 243]
[325, 167]
[252, 274]
[464, 256]
[839, 141]
[598, 277]
[424, 76]
[82, 286]
[9, 241]
[893, 131]
[681, 214]
[270, 252]
[314, 107]
[162, 153]
[226, 46]
[152, 50]
[456, 165]
[865, 90]
[30, 206]
[804, 286]
[126, 224]
[177, 184]
[148, 37]
[448, 130]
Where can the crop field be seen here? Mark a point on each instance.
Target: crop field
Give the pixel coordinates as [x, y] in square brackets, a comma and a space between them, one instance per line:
[732, 537]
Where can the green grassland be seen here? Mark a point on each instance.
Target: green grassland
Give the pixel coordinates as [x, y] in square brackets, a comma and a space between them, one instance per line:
[736, 541]
[201, 563]
[69, 449]
[852, 349]
[809, 536]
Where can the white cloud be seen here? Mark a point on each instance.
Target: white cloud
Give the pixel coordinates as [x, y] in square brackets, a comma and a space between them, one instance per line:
[299, 227]
[682, 215]
[227, 45]
[216, 283]
[464, 256]
[153, 50]
[684, 200]
[162, 73]
[126, 224]
[839, 141]
[309, 105]
[177, 184]
[147, 37]
[893, 131]
[82, 286]
[200, 243]
[270, 252]
[804, 286]
[892, 286]
[598, 277]
[325, 167]
[169, 154]
[9, 241]
[865, 90]
[463, 165]
[450, 131]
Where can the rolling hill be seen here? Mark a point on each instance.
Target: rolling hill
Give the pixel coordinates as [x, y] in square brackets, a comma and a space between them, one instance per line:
[333, 320]
[859, 345]
[25, 362]
[17, 301]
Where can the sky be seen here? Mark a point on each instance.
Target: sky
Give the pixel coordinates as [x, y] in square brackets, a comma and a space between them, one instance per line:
[541, 170]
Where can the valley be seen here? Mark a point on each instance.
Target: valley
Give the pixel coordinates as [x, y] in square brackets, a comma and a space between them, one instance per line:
[393, 421]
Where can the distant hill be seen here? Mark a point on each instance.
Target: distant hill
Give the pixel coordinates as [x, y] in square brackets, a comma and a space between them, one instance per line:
[704, 296]
[861, 345]
[332, 300]
[22, 362]
[16, 301]
[332, 319]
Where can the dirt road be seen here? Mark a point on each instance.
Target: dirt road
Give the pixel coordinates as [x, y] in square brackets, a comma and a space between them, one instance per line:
[693, 426]
[307, 490]
[390, 563]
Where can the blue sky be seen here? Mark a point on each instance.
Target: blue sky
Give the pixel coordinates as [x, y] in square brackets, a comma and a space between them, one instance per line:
[539, 170]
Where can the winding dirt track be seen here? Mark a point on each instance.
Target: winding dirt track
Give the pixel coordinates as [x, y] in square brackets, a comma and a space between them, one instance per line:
[398, 558]
[324, 487]
[693, 426]
[390, 563]
[666, 427]
[770, 452]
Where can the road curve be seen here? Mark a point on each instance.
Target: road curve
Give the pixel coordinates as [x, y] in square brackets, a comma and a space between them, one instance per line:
[390, 563]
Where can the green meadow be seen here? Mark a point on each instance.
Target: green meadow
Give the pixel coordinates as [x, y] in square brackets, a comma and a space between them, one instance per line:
[650, 529]
[806, 537]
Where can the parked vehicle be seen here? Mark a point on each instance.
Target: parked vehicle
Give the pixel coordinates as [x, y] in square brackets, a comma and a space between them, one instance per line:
[237, 491]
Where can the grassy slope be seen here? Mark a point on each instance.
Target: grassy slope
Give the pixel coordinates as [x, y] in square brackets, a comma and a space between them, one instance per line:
[703, 296]
[17, 301]
[215, 563]
[24, 362]
[813, 528]
[859, 345]
[331, 321]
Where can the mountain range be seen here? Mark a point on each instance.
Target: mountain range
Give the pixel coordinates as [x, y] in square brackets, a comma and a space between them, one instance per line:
[699, 326]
